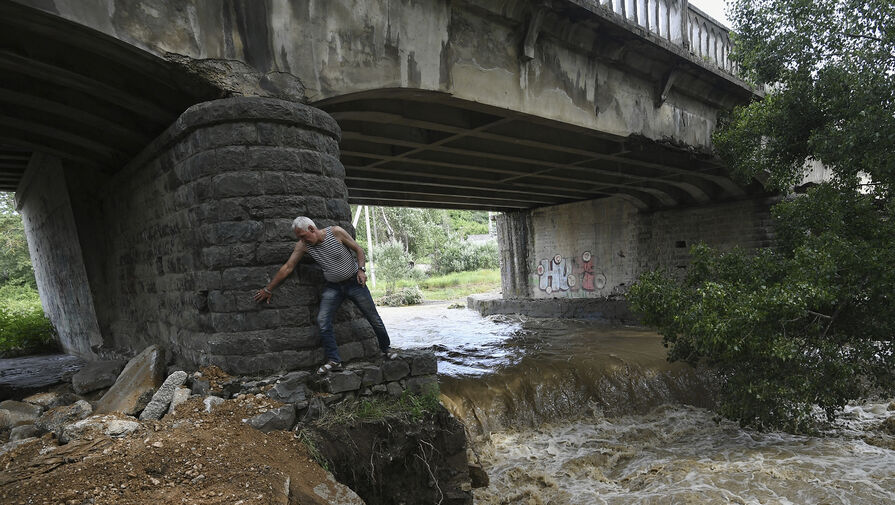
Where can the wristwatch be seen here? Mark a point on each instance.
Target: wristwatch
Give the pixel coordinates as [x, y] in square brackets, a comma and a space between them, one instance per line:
[362, 269]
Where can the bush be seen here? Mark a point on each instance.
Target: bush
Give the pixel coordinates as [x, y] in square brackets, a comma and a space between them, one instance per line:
[392, 264]
[404, 296]
[464, 257]
[24, 328]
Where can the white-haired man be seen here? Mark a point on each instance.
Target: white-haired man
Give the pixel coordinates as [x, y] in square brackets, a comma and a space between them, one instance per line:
[345, 278]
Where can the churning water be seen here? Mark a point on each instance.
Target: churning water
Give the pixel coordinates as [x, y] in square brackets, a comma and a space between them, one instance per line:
[571, 412]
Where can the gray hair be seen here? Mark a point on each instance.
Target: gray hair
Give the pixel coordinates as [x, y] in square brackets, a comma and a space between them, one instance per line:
[302, 223]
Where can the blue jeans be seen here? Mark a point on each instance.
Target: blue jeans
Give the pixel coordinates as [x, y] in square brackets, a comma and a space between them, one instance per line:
[330, 300]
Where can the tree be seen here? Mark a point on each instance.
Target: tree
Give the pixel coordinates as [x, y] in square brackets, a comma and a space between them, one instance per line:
[15, 263]
[810, 322]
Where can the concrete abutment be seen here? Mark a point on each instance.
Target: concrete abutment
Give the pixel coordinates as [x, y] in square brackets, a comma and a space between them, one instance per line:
[170, 249]
[579, 259]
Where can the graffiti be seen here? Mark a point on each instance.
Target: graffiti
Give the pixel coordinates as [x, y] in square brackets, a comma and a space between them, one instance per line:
[570, 274]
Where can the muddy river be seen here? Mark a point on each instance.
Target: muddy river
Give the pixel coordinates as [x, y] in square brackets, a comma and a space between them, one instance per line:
[571, 412]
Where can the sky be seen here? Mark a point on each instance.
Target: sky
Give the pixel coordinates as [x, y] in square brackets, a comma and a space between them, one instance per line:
[714, 8]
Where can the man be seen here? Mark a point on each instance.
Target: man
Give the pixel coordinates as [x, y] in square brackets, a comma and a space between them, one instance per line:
[345, 278]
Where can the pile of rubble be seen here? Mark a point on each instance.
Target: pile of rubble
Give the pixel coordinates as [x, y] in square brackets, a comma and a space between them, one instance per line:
[130, 404]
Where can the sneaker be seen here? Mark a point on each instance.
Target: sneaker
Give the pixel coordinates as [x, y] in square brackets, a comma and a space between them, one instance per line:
[390, 354]
[330, 366]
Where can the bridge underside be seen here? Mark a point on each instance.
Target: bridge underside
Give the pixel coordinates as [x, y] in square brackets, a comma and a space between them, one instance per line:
[426, 149]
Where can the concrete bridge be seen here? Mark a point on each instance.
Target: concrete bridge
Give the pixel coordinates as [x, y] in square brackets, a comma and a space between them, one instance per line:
[159, 150]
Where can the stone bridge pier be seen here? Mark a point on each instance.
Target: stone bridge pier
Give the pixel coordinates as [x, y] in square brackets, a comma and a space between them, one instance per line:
[171, 249]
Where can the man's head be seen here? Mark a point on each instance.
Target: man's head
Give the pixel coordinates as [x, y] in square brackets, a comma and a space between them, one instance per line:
[306, 230]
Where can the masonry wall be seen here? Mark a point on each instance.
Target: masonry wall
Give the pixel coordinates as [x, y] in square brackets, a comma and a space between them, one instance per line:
[198, 222]
[598, 248]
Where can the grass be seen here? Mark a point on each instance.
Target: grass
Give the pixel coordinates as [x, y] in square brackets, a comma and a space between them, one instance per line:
[407, 407]
[450, 286]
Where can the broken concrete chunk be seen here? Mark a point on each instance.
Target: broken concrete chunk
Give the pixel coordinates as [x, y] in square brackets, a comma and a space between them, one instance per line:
[162, 398]
[133, 390]
[282, 418]
[96, 375]
[94, 426]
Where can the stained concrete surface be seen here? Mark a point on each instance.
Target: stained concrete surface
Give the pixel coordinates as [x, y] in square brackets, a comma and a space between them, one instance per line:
[21, 377]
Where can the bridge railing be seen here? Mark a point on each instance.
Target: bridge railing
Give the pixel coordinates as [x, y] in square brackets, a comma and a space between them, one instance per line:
[681, 24]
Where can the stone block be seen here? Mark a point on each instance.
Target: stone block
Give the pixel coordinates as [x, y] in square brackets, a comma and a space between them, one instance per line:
[245, 277]
[423, 384]
[160, 401]
[351, 351]
[228, 256]
[231, 232]
[211, 402]
[339, 382]
[293, 391]
[370, 375]
[14, 413]
[422, 363]
[395, 370]
[96, 375]
[282, 418]
[274, 252]
[394, 389]
[221, 301]
[134, 387]
[235, 184]
[379, 389]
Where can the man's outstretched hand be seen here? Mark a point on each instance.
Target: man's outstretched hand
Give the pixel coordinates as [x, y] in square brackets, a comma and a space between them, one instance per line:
[263, 295]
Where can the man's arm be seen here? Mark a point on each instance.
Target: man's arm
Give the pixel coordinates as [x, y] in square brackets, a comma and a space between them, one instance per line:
[266, 293]
[349, 242]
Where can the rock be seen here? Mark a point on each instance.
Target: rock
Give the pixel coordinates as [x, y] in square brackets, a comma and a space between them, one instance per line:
[133, 390]
[200, 387]
[13, 413]
[211, 402]
[370, 375]
[96, 375]
[54, 420]
[181, 395]
[891, 406]
[282, 418]
[121, 427]
[315, 409]
[95, 426]
[51, 400]
[336, 493]
[394, 370]
[394, 389]
[379, 389]
[22, 432]
[341, 381]
[162, 398]
[423, 363]
[291, 390]
[422, 385]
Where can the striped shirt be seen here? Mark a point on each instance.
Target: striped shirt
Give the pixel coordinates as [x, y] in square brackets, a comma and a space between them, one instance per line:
[334, 257]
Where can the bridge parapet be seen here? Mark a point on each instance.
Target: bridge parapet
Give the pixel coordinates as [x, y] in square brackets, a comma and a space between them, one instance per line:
[694, 31]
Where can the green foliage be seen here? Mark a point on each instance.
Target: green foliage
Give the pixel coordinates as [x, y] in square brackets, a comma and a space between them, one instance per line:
[410, 295]
[15, 264]
[392, 264]
[809, 323]
[23, 326]
[464, 256]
